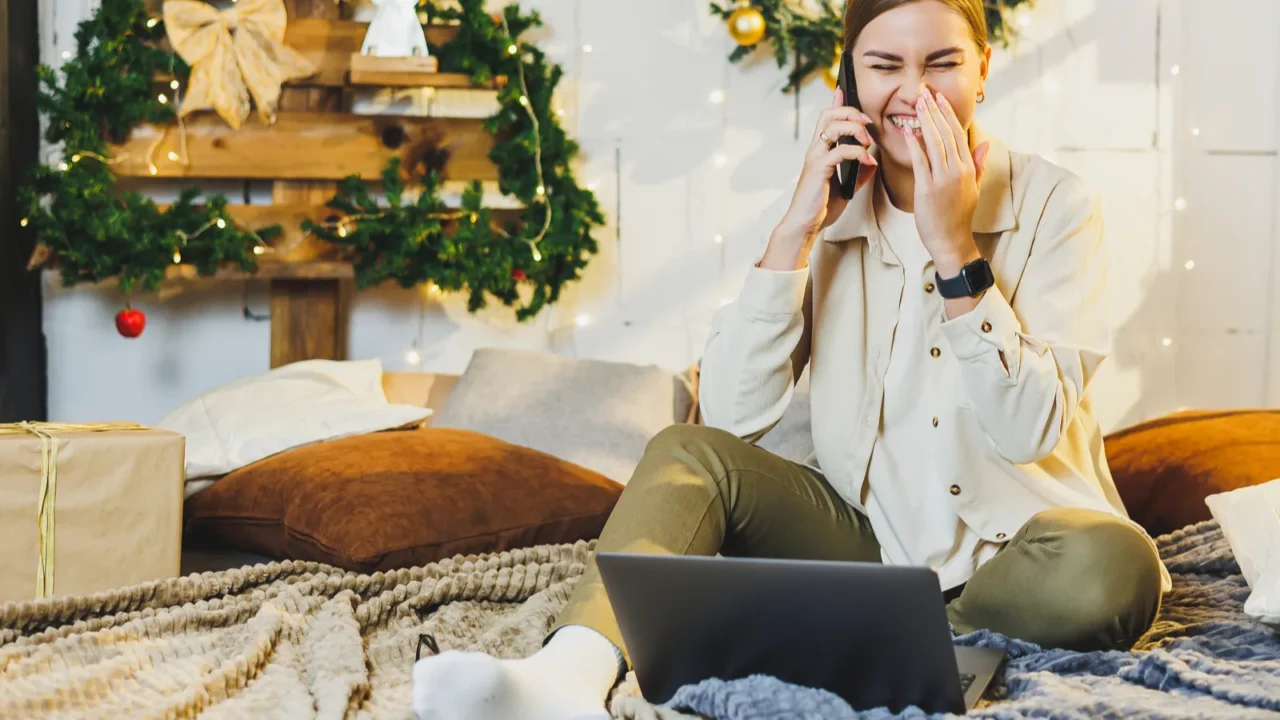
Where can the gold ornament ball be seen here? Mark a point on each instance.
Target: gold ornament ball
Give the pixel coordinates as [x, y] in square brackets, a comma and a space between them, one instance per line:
[746, 25]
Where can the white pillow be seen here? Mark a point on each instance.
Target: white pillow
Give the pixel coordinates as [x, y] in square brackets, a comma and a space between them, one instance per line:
[1250, 520]
[297, 404]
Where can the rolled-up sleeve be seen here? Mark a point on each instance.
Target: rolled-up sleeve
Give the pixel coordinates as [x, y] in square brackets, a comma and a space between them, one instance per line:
[1026, 364]
[757, 348]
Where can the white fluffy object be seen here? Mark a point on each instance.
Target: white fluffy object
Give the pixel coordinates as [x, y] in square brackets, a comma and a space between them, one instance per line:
[290, 406]
[1250, 520]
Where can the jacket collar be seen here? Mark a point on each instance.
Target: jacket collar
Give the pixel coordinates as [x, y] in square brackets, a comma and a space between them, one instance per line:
[995, 212]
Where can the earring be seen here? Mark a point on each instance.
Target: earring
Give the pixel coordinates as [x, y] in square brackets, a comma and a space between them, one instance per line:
[982, 95]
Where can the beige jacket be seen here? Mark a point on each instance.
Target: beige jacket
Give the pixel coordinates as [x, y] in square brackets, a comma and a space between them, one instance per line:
[1021, 440]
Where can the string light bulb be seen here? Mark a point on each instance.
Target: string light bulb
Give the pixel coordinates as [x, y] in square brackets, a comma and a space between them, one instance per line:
[1024, 20]
[173, 155]
[75, 158]
[537, 256]
[720, 159]
[154, 170]
[1190, 264]
[173, 84]
[66, 54]
[162, 98]
[1167, 342]
[719, 238]
[716, 97]
[586, 48]
[342, 230]
[62, 166]
[258, 249]
[221, 223]
[153, 22]
[177, 256]
[541, 190]
[524, 100]
[583, 320]
[23, 222]
[1195, 131]
[1180, 204]
[413, 357]
[559, 112]
[512, 49]
[1176, 69]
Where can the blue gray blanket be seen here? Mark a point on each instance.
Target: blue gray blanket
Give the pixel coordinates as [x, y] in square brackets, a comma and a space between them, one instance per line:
[1203, 658]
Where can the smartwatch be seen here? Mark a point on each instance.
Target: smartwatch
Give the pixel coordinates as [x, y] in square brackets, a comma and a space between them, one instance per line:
[973, 280]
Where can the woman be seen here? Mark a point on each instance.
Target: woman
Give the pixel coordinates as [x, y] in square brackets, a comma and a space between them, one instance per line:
[951, 317]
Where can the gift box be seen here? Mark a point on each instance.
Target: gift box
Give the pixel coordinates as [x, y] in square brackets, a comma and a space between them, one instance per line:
[87, 507]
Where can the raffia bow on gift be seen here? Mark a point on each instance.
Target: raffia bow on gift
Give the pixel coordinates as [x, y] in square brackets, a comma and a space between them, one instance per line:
[234, 54]
[49, 483]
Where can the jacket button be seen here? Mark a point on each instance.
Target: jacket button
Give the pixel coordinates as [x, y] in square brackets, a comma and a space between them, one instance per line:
[928, 287]
[999, 536]
[986, 326]
[935, 352]
[935, 422]
[955, 489]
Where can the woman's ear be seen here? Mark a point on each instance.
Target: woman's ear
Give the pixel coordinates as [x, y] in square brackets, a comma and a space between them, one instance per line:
[986, 62]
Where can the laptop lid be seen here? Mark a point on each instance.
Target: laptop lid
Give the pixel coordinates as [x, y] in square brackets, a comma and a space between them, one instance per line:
[875, 635]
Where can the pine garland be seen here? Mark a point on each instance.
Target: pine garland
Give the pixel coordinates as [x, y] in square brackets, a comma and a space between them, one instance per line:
[408, 243]
[811, 40]
[93, 232]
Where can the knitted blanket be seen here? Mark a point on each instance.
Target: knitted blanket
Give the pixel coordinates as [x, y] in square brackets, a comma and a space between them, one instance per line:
[1202, 658]
[304, 640]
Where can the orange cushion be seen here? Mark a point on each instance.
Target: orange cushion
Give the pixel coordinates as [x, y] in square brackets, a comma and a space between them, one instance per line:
[1165, 468]
[399, 499]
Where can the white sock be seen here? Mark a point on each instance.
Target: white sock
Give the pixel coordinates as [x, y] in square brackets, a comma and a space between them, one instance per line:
[569, 678]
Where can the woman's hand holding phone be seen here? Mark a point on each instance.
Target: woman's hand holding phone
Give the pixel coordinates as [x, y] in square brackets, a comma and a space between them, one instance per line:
[817, 200]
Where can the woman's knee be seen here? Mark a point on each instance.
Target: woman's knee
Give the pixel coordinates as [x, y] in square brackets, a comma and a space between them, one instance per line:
[698, 448]
[1108, 573]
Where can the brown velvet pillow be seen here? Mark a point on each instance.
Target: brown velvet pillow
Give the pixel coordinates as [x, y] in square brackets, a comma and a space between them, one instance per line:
[1165, 468]
[399, 499]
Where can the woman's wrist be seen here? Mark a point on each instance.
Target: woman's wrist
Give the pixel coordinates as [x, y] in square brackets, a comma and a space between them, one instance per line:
[788, 248]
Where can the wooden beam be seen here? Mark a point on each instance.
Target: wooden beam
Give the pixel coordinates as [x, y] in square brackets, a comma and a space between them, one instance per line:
[329, 44]
[311, 145]
[309, 317]
[308, 321]
[23, 368]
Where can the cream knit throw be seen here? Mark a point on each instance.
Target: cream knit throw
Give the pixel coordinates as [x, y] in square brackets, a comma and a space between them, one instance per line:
[284, 640]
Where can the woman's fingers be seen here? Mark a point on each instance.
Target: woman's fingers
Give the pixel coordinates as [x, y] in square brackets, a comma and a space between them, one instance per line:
[841, 128]
[933, 147]
[945, 131]
[919, 161]
[957, 131]
[840, 153]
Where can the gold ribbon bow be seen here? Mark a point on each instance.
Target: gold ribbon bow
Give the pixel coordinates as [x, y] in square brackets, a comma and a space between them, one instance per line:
[234, 53]
[49, 483]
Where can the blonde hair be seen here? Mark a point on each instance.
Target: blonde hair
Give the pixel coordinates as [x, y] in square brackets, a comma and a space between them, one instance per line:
[859, 13]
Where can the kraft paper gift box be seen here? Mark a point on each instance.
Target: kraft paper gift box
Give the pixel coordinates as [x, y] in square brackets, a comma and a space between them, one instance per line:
[111, 514]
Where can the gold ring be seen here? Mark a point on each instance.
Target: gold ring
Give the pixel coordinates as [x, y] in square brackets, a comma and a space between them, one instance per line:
[830, 143]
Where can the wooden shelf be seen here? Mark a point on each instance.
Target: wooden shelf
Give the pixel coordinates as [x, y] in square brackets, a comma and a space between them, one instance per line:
[310, 146]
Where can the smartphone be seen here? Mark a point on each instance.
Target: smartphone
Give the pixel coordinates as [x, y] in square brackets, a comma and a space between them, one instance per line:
[847, 170]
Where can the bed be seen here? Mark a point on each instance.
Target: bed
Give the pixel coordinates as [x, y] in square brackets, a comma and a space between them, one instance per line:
[245, 636]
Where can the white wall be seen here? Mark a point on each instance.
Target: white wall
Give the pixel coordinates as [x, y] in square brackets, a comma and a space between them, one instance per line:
[1089, 85]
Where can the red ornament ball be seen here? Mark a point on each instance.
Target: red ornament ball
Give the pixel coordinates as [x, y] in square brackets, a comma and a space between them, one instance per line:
[518, 274]
[130, 322]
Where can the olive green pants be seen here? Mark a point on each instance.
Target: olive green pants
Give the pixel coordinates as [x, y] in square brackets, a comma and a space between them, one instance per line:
[1069, 578]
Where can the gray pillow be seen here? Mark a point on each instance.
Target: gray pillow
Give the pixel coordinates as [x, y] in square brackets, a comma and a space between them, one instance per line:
[595, 413]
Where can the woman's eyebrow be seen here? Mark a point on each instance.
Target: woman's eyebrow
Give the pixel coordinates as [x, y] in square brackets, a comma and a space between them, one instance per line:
[935, 55]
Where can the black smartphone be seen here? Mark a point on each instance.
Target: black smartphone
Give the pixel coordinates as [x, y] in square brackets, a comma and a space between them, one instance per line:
[847, 170]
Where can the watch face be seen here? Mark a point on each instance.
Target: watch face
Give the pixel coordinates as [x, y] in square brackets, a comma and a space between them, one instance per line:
[977, 276]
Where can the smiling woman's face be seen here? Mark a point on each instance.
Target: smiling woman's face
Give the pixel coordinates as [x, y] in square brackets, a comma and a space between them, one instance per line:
[915, 47]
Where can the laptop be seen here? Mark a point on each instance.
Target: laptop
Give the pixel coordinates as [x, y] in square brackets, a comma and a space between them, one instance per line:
[875, 635]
